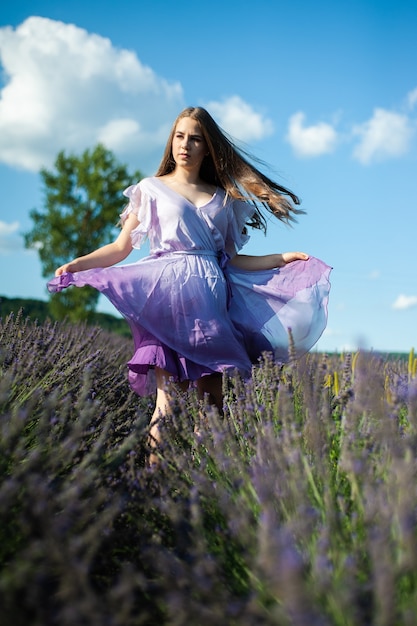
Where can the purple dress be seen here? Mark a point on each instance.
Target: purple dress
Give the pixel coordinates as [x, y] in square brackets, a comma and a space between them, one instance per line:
[190, 311]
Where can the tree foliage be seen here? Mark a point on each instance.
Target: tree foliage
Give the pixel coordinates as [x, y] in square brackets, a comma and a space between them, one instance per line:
[83, 199]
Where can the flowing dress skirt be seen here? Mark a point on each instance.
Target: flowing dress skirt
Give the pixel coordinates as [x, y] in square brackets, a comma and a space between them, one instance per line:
[191, 317]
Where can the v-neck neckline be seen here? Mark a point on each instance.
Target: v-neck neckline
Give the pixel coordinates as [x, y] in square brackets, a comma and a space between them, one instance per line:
[180, 195]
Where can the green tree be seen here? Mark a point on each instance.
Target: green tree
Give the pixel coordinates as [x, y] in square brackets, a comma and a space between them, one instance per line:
[83, 199]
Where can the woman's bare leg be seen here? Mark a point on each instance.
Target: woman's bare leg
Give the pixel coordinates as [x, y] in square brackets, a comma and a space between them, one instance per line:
[165, 392]
[210, 390]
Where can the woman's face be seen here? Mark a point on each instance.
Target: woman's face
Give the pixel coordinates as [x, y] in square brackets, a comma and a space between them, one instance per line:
[188, 144]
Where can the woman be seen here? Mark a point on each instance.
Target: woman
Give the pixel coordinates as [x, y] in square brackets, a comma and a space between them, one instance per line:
[197, 308]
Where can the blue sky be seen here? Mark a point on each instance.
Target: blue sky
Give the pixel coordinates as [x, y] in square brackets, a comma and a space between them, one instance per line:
[325, 92]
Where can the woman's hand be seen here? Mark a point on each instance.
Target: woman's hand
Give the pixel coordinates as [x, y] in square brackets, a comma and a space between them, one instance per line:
[289, 257]
[67, 267]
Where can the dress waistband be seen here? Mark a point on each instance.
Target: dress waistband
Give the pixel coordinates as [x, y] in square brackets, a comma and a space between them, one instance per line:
[193, 252]
[220, 255]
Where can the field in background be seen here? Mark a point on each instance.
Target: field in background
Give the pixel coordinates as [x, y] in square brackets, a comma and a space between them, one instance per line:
[299, 507]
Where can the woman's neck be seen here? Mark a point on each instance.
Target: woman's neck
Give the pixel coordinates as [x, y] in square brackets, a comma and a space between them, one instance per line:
[185, 177]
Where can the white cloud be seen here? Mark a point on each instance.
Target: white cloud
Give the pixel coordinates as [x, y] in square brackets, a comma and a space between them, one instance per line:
[374, 275]
[412, 98]
[405, 302]
[310, 141]
[239, 119]
[386, 134]
[10, 240]
[68, 89]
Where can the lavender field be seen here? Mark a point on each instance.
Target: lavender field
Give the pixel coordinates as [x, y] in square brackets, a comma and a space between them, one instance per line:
[298, 507]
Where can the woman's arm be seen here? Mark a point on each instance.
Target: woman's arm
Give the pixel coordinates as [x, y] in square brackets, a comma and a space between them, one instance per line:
[107, 255]
[267, 261]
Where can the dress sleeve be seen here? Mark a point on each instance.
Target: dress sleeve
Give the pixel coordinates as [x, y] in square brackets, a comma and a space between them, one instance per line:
[140, 205]
[236, 237]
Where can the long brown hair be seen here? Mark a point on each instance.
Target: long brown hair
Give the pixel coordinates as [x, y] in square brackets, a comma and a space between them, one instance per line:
[229, 168]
